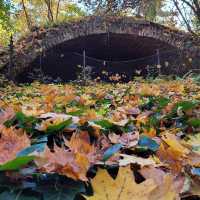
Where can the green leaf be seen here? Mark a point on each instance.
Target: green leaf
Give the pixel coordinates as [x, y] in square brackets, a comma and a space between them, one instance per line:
[76, 113]
[58, 127]
[185, 105]
[147, 142]
[10, 122]
[26, 122]
[194, 122]
[104, 124]
[162, 102]
[111, 151]
[17, 163]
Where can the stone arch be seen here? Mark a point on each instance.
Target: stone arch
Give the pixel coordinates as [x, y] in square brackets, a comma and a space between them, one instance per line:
[41, 40]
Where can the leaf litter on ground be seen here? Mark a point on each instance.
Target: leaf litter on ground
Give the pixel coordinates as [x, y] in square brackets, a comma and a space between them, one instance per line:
[138, 140]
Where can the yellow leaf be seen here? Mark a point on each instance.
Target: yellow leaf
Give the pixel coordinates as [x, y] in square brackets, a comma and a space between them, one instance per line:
[175, 146]
[123, 187]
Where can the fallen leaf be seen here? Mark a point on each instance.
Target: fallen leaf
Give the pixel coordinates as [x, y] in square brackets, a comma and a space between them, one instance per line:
[128, 140]
[6, 114]
[123, 187]
[167, 187]
[74, 162]
[127, 159]
[12, 141]
[63, 162]
[174, 145]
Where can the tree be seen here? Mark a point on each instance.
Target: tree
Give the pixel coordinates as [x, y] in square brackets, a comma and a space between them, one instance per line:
[5, 24]
[144, 8]
[189, 12]
[28, 20]
[27, 14]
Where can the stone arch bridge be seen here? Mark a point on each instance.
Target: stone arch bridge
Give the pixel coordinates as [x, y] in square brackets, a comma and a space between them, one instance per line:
[103, 38]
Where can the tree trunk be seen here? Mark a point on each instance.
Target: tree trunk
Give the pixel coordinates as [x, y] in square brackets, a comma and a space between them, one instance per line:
[57, 9]
[183, 17]
[50, 12]
[28, 20]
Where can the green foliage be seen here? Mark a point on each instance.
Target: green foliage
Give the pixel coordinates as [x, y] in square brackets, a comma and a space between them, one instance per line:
[16, 163]
[5, 7]
[59, 127]
[146, 142]
[111, 151]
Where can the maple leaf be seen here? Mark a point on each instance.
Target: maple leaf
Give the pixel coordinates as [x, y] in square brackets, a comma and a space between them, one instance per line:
[6, 114]
[12, 141]
[73, 163]
[172, 152]
[174, 145]
[63, 162]
[80, 143]
[123, 187]
[168, 187]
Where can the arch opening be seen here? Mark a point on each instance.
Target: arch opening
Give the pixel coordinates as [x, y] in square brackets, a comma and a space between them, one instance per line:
[124, 54]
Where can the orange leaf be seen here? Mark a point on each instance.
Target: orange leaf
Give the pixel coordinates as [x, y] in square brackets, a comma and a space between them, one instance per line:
[12, 141]
[7, 114]
[73, 163]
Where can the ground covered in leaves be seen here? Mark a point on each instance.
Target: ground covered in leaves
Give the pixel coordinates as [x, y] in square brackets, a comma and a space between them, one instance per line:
[139, 140]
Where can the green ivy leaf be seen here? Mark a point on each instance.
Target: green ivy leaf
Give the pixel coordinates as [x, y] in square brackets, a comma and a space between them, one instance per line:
[17, 163]
[185, 105]
[104, 124]
[194, 122]
[148, 143]
[59, 127]
[111, 151]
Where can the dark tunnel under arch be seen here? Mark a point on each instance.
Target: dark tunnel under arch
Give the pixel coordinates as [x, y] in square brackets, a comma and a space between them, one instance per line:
[114, 53]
